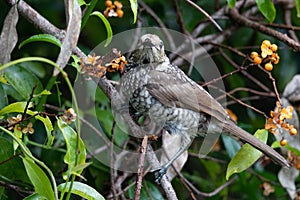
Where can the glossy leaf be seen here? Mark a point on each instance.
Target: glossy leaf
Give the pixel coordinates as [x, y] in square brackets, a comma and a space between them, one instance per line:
[231, 145]
[107, 26]
[39, 179]
[134, 8]
[17, 76]
[82, 190]
[14, 107]
[231, 3]
[297, 3]
[35, 196]
[41, 38]
[246, 156]
[267, 8]
[73, 147]
[3, 97]
[19, 107]
[7, 164]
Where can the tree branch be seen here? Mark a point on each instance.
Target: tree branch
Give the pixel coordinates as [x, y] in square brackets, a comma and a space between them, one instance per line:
[240, 19]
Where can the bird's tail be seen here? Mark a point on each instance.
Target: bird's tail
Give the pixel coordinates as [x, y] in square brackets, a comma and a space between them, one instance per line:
[246, 137]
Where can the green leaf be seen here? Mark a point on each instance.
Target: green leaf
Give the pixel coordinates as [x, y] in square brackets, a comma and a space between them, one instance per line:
[15, 107]
[48, 127]
[3, 97]
[277, 144]
[82, 190]
[231, 3]
[107, 26]
[76, 63]
[297, 3]
[71, 138]
[246, 156]
[134, 8]
[267, 8]
[35, 196]
[19, 107]
[41, 38]
[22, 81]
[39, 179]
[231, 145]
[81, 2]
[7, 163]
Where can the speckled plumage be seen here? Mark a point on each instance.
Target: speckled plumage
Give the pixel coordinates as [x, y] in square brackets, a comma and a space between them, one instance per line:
[156, 88]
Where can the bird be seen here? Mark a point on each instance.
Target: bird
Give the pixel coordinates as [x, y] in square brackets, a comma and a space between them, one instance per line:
[156, 88]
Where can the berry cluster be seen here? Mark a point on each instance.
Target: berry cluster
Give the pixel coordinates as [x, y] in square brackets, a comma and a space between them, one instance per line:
[97, 66]
[277, 122]
[12, 121]
[69, 116]
[294, 159]
[268, 55]
[113, 9]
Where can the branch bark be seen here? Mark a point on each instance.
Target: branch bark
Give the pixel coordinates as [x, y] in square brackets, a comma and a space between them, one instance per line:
[240, 19]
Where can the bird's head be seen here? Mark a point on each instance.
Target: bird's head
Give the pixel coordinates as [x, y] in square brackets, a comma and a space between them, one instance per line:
[150, 49]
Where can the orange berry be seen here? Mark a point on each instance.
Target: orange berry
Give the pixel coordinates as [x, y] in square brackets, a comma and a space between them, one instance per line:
[257, 60]
[106, 12]
[274, 47]
[266, 42]
[293, 131]
[283, 142]
[120, 13]
[253, 54]
[118, 4]
[269, 66]
[108, 3]
[297, 166]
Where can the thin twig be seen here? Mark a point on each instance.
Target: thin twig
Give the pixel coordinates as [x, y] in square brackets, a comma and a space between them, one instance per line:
[206, 14]
[216, 191]
[179, 17]
[245, 73]
[28, 102]
[240, 19]
[287, 19]
[160, 23]
[112, 169]
[273, 82]
[139, 179]
[239, 101]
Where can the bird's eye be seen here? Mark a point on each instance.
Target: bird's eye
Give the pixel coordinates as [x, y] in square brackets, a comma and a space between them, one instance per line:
[161, 45]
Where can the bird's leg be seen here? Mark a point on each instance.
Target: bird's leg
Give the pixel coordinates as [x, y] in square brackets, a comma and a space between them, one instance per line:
[185, 143]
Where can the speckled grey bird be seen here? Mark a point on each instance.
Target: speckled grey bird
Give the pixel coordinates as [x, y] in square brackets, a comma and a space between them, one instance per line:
[163, 92]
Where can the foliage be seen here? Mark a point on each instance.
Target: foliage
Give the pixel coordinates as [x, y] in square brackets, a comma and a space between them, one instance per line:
[37, 94]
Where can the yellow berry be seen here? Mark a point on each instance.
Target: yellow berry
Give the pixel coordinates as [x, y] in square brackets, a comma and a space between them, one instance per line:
[253, 54]
[293, 131]
[257, 60]
[120, 13]
[108, 3]
[283, 142]
[274, 47]
[268, 66]
[266, 42]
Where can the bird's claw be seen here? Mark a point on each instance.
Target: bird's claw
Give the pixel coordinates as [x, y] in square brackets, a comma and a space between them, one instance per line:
[159, 173]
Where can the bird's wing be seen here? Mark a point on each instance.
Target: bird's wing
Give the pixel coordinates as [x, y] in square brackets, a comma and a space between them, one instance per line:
[174, 92]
